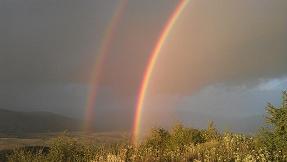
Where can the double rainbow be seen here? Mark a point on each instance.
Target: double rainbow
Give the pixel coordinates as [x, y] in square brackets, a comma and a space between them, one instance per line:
[103, 50]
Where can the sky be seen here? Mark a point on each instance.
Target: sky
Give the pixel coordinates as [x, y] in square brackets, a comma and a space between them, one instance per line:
[225, 57]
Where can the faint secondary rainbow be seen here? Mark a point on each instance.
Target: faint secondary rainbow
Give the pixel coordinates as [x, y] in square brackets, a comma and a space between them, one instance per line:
[100, 59]
[150, 67]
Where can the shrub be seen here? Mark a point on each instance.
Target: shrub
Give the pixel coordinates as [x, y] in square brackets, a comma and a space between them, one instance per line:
[274, 137]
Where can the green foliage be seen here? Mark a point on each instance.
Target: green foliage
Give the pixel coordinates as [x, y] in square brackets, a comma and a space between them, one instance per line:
[66, 149]
[275, 138]
[158, 139]
[163, 145]
[181, 136]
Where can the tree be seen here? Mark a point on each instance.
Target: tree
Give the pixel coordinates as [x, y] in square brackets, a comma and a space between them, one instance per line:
[158, 139]
[181, 136]
[275, 138]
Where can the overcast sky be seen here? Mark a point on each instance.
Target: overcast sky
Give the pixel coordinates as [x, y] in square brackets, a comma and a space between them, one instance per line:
[232, 52]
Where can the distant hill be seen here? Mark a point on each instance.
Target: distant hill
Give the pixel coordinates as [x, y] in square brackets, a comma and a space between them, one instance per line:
[18, 123]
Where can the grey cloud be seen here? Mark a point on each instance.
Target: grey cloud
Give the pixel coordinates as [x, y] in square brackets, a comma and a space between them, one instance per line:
[43, 41]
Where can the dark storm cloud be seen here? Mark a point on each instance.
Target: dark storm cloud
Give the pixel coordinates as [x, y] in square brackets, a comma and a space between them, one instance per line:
[57, 41]
[44, 41]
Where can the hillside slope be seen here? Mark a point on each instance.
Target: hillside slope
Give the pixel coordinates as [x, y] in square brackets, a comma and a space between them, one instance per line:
[17, 123]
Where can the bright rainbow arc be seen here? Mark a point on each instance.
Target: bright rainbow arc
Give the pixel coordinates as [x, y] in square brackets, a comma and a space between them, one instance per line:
[102, 54]
[150, 67]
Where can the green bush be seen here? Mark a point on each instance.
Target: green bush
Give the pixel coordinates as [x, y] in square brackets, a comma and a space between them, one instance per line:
[274, 137]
